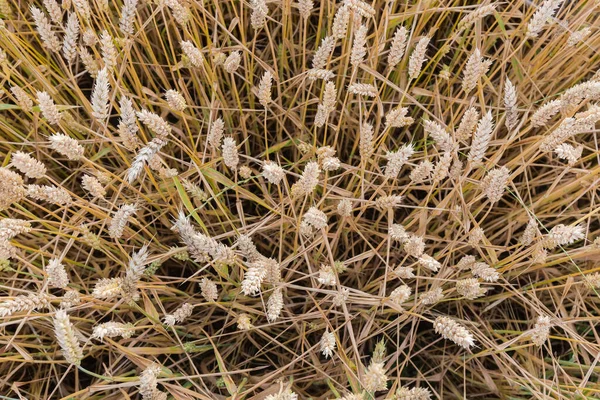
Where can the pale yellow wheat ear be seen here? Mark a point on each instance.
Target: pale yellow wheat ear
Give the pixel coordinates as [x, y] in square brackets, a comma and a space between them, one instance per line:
[327, 344]
[275, 305]
[417, 58]
[48, 108]
[69, 46]
[128, 13]
[179, 315]
[230, 153]
[541, 330]
[264, 89]
[83, 8]
[398, 47]
[27, 165]
[113, 330]
[340, 22]
[397, 159]
[543, 14]
[481, 138]
[476, 68]
[148, 385]
[31, 302]
[66, 338]
[66, 146]
[453, 331]
[510, 102]
[259, 13]
[494, 184]
[100, 95]
[192, 54]
[359, 49]
[44, 28]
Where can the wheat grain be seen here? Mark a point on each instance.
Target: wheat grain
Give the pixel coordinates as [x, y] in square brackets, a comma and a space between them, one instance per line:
[128, 124]
[359, 48]
[258, 18]
[209, 290]
[179, 315]
[264, 89]
[397, 159]
[65, 336]
[107, 288]
[363, 89]
[494, 184]
[215, 135]
[52, 194]
[230, 153]
[327, 344]
[22, 98]
[422, 172]
[544, 13]
[48, 108]
[57, 275]
[31, 302]
[120, 219]
[275, 305]
[438, 133]
[27, 165]
[12, 189]
[192, 54]
[273, 173]
[344, 208]
[467, 124]
[398, 47]
[510, 103]
[44, 29]
[339, 27]
[567, 152]
[541, 330]
[563, 235]
[113, 330]
[54, 11]
[108, 50]
[485, 272]
[70, 299]
[89, 62]
[441, 170]
[305, 8]
[480, 12]
[415, 393]
[83, 8]
[155, 123]
[569, 127]
[375, 378]
[390, 202]
[401, 294]
[100, 95]
[414, 246]
[69, 46]
[432, 296]
[475, 69]
[481, 139]
[417, 58]
[232, 62]
[470, 288]
[426, 261]
[128, 16]
[453, 331]
[578, 36]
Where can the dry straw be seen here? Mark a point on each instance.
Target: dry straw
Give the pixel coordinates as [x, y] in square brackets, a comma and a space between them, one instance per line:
[291, 200]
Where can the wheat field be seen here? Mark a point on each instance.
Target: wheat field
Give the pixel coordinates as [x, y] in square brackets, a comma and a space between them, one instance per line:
[283, 200]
